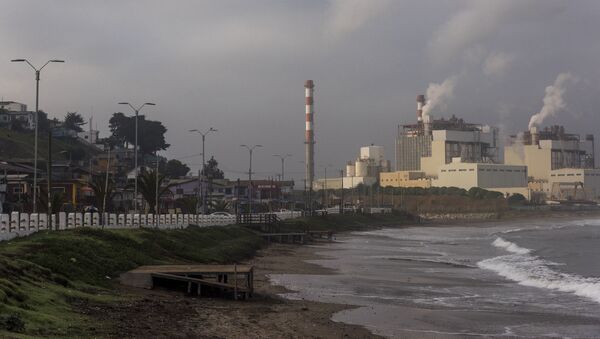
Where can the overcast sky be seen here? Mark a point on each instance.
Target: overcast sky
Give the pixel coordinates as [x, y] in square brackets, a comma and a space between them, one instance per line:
[240, 66]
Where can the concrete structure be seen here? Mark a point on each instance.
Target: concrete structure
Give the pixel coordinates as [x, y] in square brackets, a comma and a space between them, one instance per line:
[548, 150]
[507, 179]
[404, 179]
[364, 170]
[309, 140]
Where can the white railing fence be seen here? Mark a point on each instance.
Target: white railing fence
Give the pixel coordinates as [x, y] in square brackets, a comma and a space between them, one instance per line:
[22, 224]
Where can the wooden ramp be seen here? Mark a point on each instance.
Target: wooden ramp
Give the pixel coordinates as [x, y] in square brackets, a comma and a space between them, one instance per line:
[237, 280]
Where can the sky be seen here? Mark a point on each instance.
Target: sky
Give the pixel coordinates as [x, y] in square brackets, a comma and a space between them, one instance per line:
[240, 66]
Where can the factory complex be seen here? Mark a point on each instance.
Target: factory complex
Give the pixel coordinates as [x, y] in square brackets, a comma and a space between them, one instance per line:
[542, 165]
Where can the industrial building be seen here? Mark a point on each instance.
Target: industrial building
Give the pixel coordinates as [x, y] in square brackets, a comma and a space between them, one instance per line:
[451, 153]
[560, 165]
[507, 179]
[431, 143]
[363, 170]
[549, 149]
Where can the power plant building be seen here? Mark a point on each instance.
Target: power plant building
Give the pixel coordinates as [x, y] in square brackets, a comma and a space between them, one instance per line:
[560, 165]
[451, 153]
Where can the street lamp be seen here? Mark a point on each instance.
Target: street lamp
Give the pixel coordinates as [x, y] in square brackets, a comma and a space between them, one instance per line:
[250, 150]
[37, 112]
[282, 157]
[137, 112]
[202, 174]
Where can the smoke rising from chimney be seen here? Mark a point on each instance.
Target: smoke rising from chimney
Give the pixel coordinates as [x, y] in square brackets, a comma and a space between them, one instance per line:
[553, 100]
[438, 94]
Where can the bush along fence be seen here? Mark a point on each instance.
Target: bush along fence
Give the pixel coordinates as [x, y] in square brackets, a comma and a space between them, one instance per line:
[22, 224]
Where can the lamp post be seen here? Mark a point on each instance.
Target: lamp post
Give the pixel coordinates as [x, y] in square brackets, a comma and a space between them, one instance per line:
[250, 150]
[282, 157]
[135, 151]
[342, 193]
[37, 112]
[201, 173]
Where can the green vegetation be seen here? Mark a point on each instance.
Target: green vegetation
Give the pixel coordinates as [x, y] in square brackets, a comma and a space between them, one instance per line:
[18, 145]
[41, 276]
[346, 222]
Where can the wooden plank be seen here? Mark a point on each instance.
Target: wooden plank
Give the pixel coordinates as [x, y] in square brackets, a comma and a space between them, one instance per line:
[198, 269]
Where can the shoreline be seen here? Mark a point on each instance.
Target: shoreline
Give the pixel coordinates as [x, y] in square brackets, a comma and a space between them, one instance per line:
[161, 313]
[171, 314]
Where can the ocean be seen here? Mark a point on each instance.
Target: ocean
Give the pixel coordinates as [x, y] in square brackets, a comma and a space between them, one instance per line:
[522, 279]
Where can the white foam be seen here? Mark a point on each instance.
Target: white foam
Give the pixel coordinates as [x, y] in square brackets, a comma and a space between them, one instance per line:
[510, 246]
[532, 271]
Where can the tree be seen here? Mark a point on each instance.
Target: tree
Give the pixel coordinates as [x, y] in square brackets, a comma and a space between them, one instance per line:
[74, 121]
[151, 134]
[211, 170]
[175, 168]
[43, 122]
[17, 125]
[147, 187]
[101, 189]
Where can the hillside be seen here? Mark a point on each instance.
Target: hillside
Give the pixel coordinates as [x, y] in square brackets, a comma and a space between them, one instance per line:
[17, 145]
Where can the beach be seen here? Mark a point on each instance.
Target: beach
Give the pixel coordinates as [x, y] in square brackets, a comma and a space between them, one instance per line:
[167, 314]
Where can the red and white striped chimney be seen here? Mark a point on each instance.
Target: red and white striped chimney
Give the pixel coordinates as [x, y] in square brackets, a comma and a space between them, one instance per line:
[309, 86]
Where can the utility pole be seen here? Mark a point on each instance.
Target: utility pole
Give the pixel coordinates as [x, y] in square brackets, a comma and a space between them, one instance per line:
[250, 150]
[106, 186]
[49, 187]
[342, 194]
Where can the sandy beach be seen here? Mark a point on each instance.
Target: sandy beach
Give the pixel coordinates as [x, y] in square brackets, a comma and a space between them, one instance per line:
[168, 314]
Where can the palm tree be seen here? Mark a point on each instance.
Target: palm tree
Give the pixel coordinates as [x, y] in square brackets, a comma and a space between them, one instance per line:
[221, 205]
[58, 199]
[147, 184]
[101, 189]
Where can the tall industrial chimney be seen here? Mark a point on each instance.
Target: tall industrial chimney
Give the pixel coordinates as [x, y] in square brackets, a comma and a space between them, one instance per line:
[309, 86]
[420, 104]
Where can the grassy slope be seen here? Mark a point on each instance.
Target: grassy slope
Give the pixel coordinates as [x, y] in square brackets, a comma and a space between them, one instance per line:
[20, 145]
[42, 274]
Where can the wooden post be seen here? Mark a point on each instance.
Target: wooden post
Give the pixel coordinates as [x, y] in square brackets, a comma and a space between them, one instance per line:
[235, 281]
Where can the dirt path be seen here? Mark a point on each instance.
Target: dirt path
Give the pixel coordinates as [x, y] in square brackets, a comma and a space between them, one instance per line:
[165, 314]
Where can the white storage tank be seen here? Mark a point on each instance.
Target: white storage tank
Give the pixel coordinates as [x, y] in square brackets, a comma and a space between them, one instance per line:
[361, 168]
[350, 170]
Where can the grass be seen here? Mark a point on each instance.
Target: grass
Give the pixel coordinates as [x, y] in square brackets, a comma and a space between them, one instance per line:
[42, 275]
[19, 145]
[346, 222]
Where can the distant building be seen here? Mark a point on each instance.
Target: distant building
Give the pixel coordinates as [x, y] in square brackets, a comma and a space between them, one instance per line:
[365, 170]
[11, 111]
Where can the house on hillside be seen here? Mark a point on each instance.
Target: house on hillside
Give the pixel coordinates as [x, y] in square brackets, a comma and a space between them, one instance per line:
[11, 111]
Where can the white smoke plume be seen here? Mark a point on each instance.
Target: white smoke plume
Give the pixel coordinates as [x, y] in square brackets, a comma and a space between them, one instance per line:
[438, 94]
[553, 100]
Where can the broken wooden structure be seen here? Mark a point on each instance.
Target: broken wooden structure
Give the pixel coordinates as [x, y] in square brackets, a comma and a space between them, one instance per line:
[235, 280]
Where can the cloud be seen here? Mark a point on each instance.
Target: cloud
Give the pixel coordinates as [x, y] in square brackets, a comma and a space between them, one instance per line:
[479, 21]
[496, 64]
[348, 16]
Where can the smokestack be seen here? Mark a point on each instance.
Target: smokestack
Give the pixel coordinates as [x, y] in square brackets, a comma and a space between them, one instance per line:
[420, 104]
[309, 86]
[535, 137]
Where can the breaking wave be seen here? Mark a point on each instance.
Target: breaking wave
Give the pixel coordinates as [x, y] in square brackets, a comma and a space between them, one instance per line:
[529, 270]
[509, 246]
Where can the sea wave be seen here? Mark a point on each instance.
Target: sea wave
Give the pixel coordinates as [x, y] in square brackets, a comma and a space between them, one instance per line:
[529, 270]
[510, 246]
